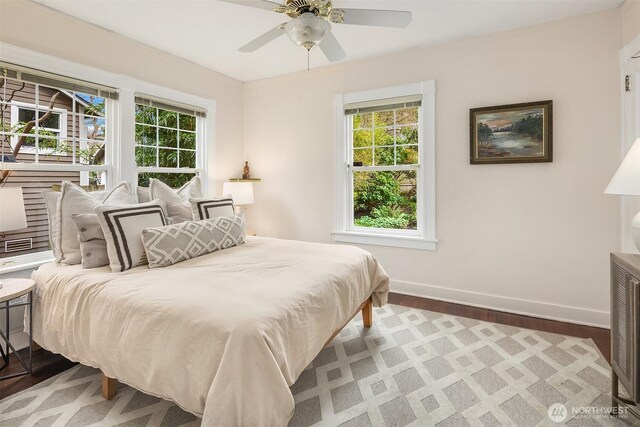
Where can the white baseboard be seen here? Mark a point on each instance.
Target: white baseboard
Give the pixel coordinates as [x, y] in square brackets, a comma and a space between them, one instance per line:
[544, 310]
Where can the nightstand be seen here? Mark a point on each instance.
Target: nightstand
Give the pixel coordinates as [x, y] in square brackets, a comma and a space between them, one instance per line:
[16, 293]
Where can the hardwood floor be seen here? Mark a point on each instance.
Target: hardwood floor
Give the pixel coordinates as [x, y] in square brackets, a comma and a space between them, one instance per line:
[46, 364]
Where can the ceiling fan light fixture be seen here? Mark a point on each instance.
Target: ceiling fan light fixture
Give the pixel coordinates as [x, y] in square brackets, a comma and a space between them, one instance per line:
[307, 30]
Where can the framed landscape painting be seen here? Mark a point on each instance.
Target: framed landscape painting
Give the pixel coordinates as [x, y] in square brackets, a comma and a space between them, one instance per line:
[516, 133]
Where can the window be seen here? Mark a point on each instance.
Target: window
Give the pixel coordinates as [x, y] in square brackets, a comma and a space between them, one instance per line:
[52, 125]
[386, 169]
[166, 141]
[61, 120]
[49, 132]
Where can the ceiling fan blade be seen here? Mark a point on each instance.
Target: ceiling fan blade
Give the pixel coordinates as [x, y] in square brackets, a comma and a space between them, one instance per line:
[260, 4]
[267, 37]
[378, 18]
[331, 48]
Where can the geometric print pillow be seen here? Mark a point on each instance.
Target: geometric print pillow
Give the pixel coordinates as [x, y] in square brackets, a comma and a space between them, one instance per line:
[169, 245]
[122, 228]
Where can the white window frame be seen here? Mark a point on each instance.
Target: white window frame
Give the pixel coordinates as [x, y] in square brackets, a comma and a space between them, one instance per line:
[62, 132]
[344, 229]
[120, 154]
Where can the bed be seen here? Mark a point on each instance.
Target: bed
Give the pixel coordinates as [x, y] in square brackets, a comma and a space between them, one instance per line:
[223, 335]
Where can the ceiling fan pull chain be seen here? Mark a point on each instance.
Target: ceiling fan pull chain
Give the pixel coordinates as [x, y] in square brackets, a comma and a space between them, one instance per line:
[308, 53]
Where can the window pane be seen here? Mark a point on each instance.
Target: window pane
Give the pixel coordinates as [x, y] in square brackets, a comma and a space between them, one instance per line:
[167, 118]
[362, 138]
[174, 180]
[94, 127]
[146, 156]
[385, 199]
[188, 140]
[407, 116]
[146, 115]
[383, 136]
[361, 121]
[187, 122]
[383, 118]
[187, 159]
[363, 155]
[407, 155]
[89, 152]
[167, 138]
[407, 135]
[146, 135]
[167, 158]
[384, 156]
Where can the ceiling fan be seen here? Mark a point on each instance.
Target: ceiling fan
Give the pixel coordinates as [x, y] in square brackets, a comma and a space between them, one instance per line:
[311, 21]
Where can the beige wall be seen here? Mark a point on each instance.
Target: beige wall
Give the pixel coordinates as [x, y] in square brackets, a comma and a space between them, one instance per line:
[630, 20]
[538, 235]
[32, 26]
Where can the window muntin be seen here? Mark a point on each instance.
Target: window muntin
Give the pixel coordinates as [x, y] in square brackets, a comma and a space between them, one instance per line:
[387, 139]
[165, 139]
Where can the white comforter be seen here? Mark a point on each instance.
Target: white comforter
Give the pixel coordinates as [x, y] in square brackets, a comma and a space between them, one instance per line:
[223, 335]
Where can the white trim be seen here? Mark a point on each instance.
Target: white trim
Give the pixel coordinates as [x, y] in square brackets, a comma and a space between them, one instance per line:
[25, 262]
[53, 167]
[544, 310]
[345, 231]
[398, 241]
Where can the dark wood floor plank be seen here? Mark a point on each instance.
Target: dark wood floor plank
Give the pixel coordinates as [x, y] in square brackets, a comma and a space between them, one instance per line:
[47, 364]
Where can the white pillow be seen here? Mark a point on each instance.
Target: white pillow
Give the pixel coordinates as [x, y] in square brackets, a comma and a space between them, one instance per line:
[144, 195]
[158, 190]
[51, 199]
[122, 227]
[74, 200]
[178, 212]
[212, 207]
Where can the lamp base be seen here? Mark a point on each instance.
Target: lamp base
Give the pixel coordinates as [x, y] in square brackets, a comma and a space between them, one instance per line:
[635, 230]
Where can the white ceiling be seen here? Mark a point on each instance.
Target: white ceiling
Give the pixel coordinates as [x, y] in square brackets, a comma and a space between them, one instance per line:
[209, 32]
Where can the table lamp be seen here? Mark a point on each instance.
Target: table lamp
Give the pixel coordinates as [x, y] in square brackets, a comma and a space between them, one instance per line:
[242, 192]
[626, 182]
[12, 214]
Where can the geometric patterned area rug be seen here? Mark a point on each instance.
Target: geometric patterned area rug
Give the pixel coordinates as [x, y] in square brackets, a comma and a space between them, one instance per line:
[413, 367]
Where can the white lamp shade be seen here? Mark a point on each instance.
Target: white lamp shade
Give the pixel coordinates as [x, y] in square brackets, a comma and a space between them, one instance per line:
[626, 181]
[12, 215]
[242, 192]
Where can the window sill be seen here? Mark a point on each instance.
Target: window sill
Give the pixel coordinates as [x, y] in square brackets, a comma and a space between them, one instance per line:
[409, 242]
[25, 262]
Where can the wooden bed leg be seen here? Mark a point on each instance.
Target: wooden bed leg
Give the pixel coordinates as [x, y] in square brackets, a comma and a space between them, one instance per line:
[108, 387]
[367, 314]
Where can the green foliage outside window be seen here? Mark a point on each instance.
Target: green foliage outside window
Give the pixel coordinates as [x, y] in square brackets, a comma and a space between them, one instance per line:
[173, 180]
[385, 199]
[164, 138]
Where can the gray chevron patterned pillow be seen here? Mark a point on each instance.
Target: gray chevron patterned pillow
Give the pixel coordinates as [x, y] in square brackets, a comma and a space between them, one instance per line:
[171, 244]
